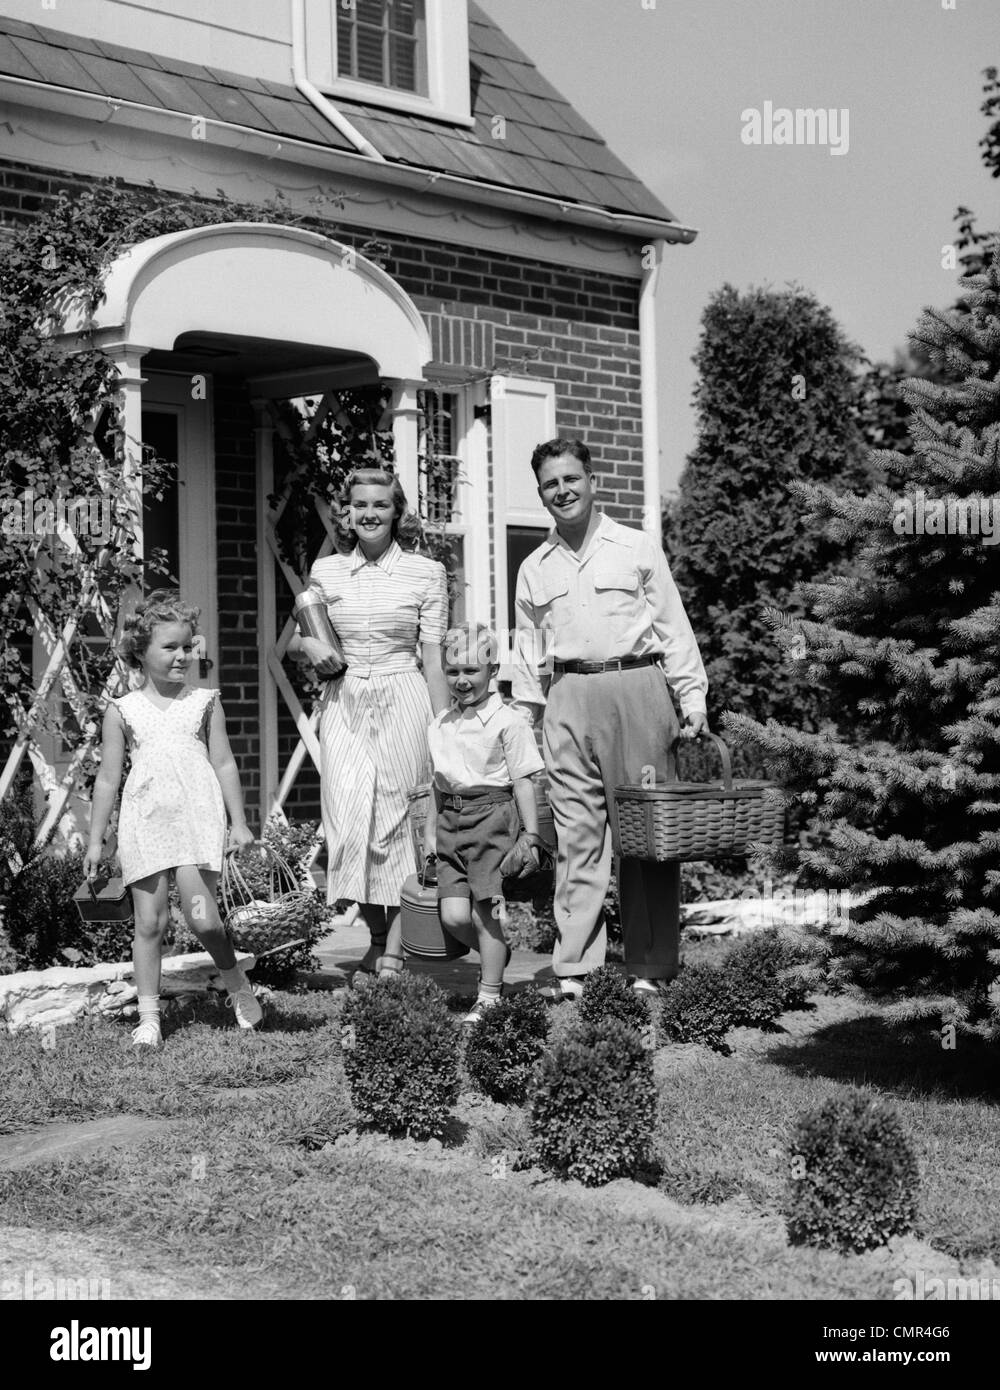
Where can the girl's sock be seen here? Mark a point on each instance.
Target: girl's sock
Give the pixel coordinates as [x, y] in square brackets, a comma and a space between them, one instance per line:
[149, 1008]
[490, 991]
[234, 980]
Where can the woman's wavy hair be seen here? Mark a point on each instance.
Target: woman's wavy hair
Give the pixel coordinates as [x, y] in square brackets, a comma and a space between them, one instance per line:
[161, 606]
[406, 528]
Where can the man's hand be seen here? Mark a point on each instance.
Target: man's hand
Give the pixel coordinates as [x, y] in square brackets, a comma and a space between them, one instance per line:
[694, 725]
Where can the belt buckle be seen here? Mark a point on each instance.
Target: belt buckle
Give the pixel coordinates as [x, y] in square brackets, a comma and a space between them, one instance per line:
[456, 803]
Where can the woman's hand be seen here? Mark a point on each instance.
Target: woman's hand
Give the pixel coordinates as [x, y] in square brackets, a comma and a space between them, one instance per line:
[694, 726]
[322, 657]
[240, 836]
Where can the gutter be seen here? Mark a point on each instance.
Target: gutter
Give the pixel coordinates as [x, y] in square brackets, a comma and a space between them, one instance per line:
[649, 404]
[380, 170]
[314, 96]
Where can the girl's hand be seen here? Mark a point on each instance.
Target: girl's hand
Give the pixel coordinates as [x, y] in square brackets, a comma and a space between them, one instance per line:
[91, 862]
[240, 836]
[323, 657]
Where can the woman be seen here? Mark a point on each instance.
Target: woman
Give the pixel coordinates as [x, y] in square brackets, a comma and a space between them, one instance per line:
[383, 600]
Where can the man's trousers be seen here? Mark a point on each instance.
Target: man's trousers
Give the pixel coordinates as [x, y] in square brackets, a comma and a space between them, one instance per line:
[599, 732]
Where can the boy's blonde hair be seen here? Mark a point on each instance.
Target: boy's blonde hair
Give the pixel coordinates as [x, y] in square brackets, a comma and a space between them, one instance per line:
[475, 637]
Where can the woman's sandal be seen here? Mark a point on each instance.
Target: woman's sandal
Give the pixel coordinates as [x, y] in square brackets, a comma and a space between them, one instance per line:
[366, 969]
[561, 987]
[385, 970]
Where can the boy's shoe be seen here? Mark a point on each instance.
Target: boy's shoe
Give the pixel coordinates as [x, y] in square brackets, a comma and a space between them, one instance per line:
[147, 1034]
[245, 1006]
[650, 989]
[482, 1006]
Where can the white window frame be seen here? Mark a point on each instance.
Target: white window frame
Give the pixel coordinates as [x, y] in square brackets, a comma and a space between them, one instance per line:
[447, 50]
[467, 503]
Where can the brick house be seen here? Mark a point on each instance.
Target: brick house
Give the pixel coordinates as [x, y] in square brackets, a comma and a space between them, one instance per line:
[513, 294]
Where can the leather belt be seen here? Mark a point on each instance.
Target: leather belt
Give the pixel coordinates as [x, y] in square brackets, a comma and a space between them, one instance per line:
[470, 800]
[594, 668]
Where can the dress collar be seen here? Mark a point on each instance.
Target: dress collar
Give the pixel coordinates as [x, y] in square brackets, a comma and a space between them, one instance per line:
[386, 561]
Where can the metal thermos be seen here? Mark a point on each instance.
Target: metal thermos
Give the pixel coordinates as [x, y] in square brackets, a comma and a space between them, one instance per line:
[314, 621]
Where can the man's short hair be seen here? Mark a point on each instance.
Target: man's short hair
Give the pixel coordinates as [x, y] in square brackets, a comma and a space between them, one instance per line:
[555, 448]
[472, 637]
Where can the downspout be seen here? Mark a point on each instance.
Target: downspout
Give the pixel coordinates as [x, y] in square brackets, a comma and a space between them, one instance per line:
[652, 254]
[314, 96]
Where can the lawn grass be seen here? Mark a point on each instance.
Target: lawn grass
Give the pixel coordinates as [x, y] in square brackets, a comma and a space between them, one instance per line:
[242, 1184]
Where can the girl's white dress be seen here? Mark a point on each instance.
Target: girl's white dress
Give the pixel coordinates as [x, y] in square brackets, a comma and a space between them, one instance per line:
[172, 810]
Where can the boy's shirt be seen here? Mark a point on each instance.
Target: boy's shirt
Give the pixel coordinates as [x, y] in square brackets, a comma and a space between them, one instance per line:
[488, 746]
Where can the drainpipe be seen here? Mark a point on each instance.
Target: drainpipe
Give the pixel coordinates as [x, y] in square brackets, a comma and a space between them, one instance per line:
[652, 254]
[314, 96]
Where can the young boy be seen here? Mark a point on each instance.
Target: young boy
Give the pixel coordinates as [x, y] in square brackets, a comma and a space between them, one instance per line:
[483, 756]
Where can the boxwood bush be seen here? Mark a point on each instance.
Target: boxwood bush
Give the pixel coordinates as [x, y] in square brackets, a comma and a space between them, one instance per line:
[768, 974]
[504, 1047]
[401, 1056]
[608, 994]
[698, 1007]
[853, 1176]
[594, 1104]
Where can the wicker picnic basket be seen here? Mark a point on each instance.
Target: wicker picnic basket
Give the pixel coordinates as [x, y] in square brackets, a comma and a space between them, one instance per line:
[260, 923]
[680, 821]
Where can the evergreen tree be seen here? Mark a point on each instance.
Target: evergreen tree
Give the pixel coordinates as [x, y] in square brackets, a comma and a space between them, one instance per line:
[910, 646]
[777, 400]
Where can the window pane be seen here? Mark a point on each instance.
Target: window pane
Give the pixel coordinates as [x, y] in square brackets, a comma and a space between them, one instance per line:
[403, 16]
[370, 65]
[344, 27]
[404, 64]
[370, 12]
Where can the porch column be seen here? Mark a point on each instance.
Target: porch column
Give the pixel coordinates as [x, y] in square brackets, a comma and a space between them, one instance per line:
[267, 612]
[405, 433]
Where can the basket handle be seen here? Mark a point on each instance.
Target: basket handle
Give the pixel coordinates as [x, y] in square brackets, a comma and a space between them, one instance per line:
[723, 751]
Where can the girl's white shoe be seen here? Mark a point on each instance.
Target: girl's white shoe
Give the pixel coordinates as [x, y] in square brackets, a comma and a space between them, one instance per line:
[147, 1034]
[245, 1006]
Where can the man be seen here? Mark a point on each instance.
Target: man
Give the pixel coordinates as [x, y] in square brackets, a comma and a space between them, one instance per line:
[601, 632]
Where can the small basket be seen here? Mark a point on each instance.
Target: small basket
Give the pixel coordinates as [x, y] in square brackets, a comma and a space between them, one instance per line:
[681, 821]
[103, 900]
[256, 924]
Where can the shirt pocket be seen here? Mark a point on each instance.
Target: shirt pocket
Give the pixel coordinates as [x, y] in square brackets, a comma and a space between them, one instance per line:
[618, 591]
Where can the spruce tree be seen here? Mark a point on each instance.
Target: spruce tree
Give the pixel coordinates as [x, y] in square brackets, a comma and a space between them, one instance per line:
[777, 400]
[908, 648]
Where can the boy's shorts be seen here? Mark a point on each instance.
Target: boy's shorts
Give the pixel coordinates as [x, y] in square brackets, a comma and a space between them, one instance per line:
[470, 844]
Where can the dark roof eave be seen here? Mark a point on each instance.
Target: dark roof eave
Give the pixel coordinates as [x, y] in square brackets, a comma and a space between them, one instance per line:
[549, 206]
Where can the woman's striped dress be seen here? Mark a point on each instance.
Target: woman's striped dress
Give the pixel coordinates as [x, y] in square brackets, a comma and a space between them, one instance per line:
[373, 729]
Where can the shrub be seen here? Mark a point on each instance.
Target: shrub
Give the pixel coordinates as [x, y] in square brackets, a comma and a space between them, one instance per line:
[401, 1056]
[698, 1007]
[853, 1176]
[44, 926]
[594, 1105]
[763, 973]
[504, 1047]
[608, 994]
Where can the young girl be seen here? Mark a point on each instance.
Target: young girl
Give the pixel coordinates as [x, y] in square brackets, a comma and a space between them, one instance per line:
[182, 782]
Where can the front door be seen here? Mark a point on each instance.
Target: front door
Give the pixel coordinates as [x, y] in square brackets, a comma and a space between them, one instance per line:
[177, 423]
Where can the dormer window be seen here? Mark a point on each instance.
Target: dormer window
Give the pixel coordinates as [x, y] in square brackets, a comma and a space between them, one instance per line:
[408, 55]
[385, 42]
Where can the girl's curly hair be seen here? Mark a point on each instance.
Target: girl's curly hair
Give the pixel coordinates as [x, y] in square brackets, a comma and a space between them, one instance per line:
[161, 606]
[406, 527]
